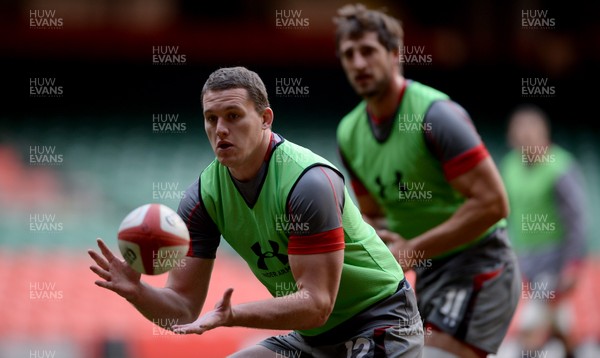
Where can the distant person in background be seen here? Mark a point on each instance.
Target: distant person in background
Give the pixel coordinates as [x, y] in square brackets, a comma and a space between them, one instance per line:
[546, 224]
[423, 177]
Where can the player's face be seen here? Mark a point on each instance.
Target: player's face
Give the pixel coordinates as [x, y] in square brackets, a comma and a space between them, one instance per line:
[527, 129]
[369, 66]
[234, 128]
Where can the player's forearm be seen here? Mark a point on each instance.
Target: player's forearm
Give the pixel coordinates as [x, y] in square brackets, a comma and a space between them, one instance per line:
[471, 220]
[300, 310]
[162, 306]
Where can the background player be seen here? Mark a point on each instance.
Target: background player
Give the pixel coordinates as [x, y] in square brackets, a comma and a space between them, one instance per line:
[547, 224]
[286, 212]
[420, 169]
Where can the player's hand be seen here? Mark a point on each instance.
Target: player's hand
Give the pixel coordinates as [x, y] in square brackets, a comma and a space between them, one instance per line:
[389, 237]
[400, 248]
[218, 317]
[376, 222]
[115, 273]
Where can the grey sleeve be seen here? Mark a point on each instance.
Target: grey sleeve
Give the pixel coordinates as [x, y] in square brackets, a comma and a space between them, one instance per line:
[204, 234]
[316, 202]
[570, 195]
[449, 130]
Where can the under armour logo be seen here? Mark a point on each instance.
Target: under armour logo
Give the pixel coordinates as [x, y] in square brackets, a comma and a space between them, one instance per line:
[269, 254]
[381, 186]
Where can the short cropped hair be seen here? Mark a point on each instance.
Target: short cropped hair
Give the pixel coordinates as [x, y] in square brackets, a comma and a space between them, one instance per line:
[238, 77]
[354, 20]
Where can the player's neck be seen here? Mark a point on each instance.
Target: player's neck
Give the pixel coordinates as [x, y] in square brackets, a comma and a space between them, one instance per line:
[248, 170]
[385, 106]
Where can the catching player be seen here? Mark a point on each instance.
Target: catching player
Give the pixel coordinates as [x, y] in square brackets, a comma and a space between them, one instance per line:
[333, 281]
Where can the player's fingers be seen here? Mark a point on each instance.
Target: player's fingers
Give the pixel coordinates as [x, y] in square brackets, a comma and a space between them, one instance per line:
[100, 272]
[227, 297]
[105, 284]
[383, 232]
[181, 328]
[101, 261]
[388, 236]
[105, 250]
[226, 300]
[188, 329]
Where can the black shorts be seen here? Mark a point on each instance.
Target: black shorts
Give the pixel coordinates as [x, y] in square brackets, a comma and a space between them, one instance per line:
[389, 328]
[472, 295]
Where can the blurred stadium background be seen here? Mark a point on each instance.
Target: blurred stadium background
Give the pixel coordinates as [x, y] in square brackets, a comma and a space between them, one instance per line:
[112, 127]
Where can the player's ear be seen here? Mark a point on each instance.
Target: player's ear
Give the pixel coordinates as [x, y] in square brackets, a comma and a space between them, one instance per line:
[267, 117]
[396, 52]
